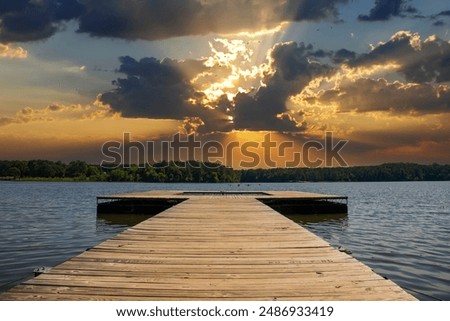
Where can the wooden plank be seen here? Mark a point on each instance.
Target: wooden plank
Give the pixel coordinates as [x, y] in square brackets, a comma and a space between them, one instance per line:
[212, 247]
[73, 293]
[211, 275]
[136, 269]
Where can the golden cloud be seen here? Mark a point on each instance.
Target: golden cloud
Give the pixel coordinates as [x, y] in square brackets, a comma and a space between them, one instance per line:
[11, 51]
[231, 70]
[59, 112]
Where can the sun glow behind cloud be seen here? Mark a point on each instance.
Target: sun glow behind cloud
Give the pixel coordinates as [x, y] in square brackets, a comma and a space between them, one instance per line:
[239, 62]
[233, 69]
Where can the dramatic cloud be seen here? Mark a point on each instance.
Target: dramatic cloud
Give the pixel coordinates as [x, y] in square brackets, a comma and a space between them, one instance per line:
[419, 61]
[366, 95]
[28, 20]
[170, 89]
[162, 19]
[186, 90]
[161, 90]
[292, 70]
[11, 51]
[385, 9]
[152, 89]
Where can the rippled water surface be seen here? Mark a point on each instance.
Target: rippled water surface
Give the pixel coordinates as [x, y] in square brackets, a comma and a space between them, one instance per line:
[401, 230]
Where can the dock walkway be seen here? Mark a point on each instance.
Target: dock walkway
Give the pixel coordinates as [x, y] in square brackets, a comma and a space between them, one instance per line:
[211, 247]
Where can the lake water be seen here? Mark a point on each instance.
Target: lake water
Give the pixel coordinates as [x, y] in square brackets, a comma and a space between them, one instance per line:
[401, 230]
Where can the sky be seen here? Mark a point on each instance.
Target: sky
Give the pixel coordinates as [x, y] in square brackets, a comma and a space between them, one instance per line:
[78, 74]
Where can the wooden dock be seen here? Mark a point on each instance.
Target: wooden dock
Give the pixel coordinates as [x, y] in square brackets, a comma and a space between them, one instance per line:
[219, 246]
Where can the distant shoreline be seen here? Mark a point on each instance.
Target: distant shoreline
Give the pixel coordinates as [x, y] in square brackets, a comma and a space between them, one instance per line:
[198, 172]
[46, 180]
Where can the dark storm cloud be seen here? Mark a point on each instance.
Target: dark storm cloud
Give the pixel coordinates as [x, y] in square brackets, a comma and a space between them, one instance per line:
[157, 19]
[337, 57]
[343, 56]
[439, 23]
[293, 68]
[161, 89]
[365, 95]
[161, 19]
[419, 61]
[442, 14]
[152, 89]
[445, 13]
[28, 20]
[385, 9]
[257, 113]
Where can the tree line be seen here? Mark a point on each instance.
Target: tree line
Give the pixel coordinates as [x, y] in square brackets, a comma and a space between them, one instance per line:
[380, 173]
[189, 172]
[193, 171]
